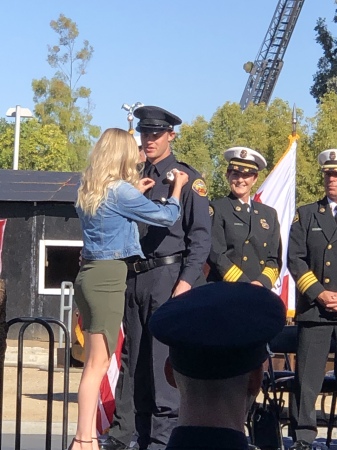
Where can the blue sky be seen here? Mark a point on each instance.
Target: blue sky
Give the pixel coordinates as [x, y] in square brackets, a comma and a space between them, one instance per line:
[183, 55]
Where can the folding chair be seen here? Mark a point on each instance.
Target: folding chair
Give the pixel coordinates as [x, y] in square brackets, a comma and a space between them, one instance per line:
[281, 382]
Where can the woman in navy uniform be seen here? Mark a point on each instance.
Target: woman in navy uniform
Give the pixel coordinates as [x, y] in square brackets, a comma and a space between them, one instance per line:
[246, 242]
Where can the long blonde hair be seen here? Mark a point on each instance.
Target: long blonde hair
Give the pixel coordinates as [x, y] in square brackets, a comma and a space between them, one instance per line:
[114, 158]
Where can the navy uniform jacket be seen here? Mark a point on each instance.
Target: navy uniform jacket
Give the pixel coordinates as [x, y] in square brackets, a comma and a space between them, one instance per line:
[206, 438]
[191, 234]
[312, 259]
[245, 246]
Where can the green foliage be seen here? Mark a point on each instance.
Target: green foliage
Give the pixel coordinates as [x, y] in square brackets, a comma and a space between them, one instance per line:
[191, 147]
[325, 79]
[59, 100]
[323, 137]
[42, 147]
[265, 129]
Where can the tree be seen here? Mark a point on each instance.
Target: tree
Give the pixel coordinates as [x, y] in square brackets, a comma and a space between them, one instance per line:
[261, 127]
[191, 147]
[325, 79]
[60, 100]
[42, 147]
[323, 137]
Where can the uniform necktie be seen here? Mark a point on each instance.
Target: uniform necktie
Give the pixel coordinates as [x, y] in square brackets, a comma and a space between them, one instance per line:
[150, 174]
[143, 227]
[335, 213]
[247, 207]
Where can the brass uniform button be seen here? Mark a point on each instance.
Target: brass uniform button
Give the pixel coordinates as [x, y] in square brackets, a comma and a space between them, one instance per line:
[245, 258]
[329, 247]
[246, 242]
[262, 262]
[265, 244]
[326, 280]
[327, 263]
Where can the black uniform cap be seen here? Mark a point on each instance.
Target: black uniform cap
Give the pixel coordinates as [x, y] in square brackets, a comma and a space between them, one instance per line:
[155, 120]
[219, 330]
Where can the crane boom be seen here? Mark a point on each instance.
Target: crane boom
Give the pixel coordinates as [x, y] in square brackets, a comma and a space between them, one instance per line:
[269, 60]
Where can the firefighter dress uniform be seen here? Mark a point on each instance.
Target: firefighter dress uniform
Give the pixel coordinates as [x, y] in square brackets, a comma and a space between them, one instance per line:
[246, 243]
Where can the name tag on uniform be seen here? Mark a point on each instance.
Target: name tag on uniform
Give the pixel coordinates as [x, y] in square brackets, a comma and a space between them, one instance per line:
[238, 223]
[316, 229]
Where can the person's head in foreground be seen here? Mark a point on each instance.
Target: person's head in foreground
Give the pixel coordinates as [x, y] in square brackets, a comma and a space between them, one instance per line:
[217, 336]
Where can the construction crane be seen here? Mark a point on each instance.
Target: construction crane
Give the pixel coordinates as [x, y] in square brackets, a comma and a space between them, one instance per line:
[264, 72]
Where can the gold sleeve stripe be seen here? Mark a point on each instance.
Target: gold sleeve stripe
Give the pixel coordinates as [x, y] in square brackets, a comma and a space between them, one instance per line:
[233, 274]
[271, 273]
[306, 280]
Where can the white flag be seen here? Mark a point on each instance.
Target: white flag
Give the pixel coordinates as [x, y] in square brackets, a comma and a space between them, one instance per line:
[278, 191]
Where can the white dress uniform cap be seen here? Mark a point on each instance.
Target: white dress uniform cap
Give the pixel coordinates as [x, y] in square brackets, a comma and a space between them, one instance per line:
[328, 159]
[245, 158]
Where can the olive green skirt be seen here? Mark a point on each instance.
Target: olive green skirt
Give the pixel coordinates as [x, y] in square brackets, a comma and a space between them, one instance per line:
[100, 296]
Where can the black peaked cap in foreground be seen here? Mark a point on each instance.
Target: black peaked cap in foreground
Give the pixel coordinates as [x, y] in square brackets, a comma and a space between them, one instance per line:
[219, 330]
[155, 120]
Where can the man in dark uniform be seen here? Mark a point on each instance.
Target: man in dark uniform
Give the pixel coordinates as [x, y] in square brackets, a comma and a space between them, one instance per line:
[246, 243]
[312, 261]
[174, 260]
[217, 336]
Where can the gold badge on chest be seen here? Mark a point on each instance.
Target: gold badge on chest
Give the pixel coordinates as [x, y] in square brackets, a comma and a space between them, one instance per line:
[264, 224]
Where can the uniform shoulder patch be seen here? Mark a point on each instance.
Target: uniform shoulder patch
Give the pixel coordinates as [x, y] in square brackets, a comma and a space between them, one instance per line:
[199, 186]
[211, 210]
[296, 217]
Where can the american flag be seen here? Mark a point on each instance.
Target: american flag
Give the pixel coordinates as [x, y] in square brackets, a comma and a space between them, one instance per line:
[106, 400]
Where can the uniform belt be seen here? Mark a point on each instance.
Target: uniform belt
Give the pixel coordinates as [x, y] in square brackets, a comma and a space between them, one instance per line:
[148, 264]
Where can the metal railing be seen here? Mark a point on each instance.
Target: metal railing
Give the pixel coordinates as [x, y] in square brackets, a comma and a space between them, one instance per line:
[66, 308]
[45, 322]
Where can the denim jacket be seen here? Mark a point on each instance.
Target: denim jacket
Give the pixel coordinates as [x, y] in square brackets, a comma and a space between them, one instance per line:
[112, 233]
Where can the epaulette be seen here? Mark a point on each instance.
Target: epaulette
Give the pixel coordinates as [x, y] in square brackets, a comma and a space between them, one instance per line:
[190, 168]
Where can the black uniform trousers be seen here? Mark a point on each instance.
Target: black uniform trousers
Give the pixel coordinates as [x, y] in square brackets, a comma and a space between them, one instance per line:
[154, 411]
[313, 348]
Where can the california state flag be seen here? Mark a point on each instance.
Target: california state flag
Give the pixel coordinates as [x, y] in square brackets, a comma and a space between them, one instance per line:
[278, 191]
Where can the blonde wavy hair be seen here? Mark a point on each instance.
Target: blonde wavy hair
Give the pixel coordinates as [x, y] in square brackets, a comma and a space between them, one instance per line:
[114, 158]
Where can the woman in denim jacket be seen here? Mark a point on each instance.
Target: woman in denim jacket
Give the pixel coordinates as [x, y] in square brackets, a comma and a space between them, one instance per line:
[110, 201]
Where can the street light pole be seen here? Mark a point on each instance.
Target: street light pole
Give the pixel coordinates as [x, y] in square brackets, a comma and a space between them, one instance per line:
[17, 112]
[130, 110]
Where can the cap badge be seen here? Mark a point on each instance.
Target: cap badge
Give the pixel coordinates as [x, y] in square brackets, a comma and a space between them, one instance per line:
[243, 154]
[332, 156]
[264, 224]
[237, 208]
